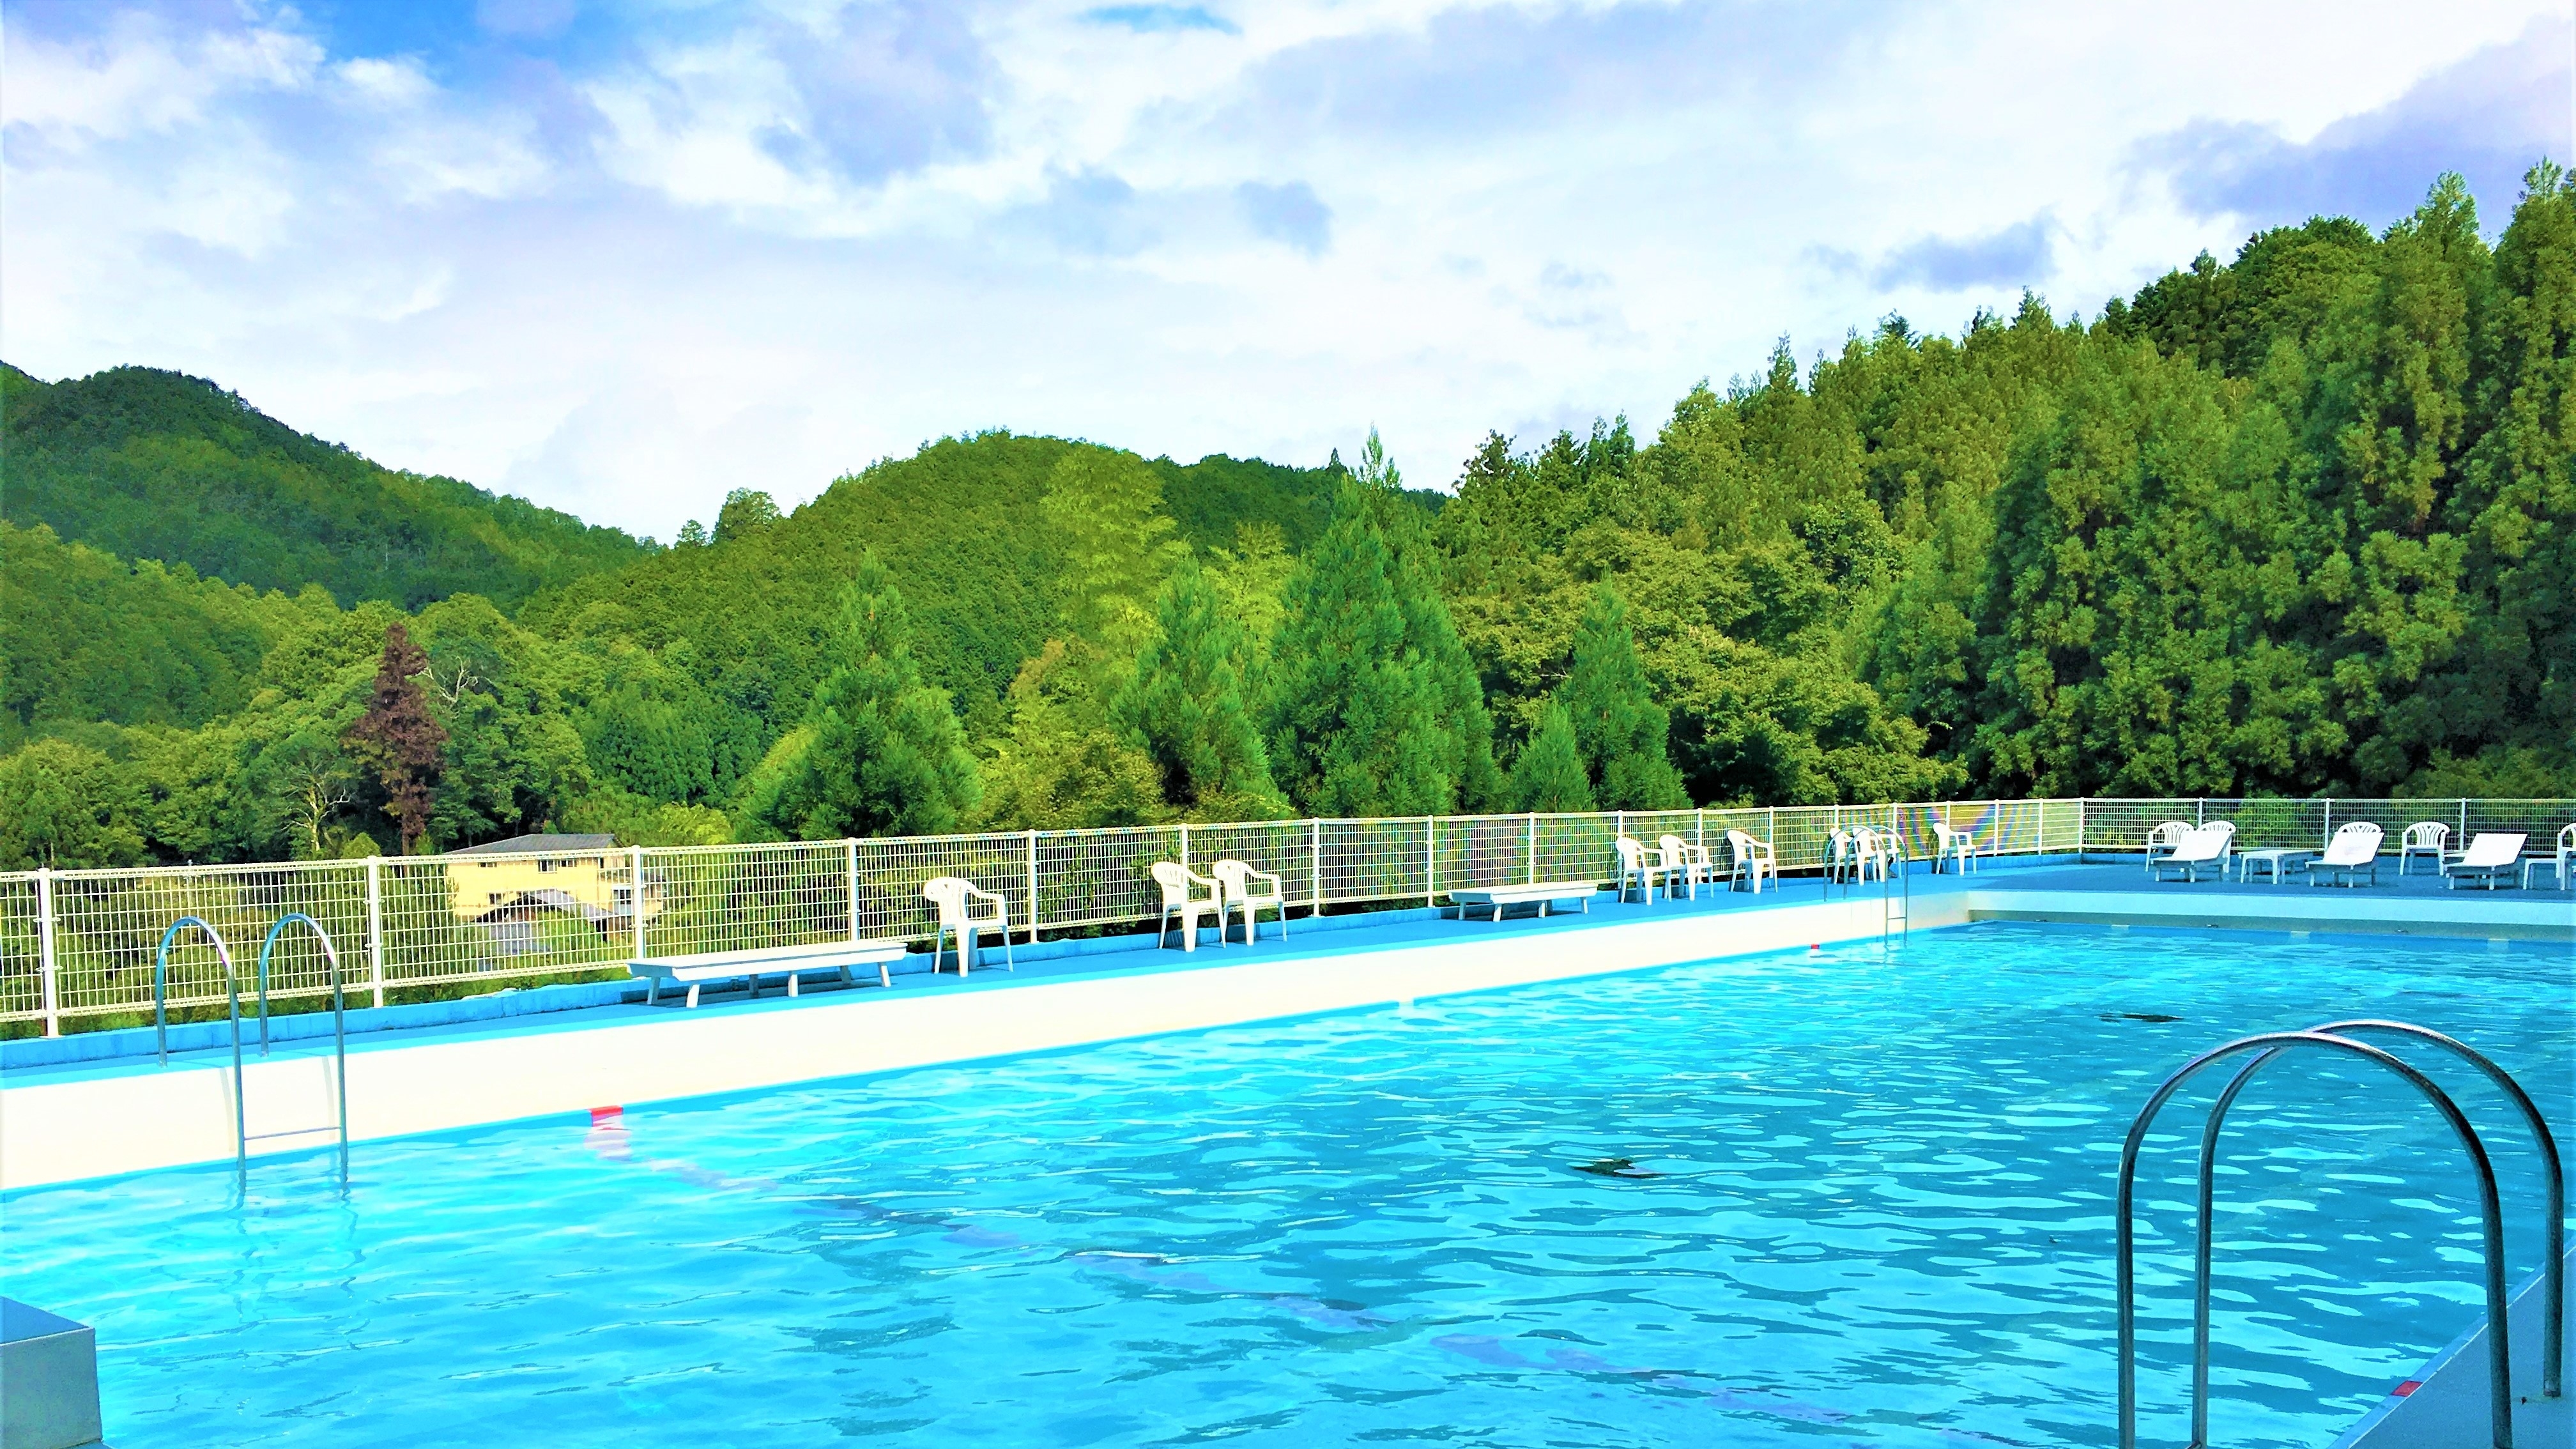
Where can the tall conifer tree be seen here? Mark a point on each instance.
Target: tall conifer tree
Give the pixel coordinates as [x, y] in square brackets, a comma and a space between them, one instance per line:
[1548, 777]
[1187, 703]
[398, 740]
[1355, 725]
[883, 753]
[1617, 723]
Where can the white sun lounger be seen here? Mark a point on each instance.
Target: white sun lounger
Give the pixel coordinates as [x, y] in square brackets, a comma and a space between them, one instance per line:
[2493, 856]
[713, 968]
[2354, 850]
[1545, 893]
[2206, 846]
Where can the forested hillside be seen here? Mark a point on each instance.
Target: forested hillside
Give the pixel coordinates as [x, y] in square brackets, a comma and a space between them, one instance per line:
[2302, 521]
[146, 464]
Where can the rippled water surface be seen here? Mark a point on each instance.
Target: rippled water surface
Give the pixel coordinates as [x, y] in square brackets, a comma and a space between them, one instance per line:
[1865, 1201]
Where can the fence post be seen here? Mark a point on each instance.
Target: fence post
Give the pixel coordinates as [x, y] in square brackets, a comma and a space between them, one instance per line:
[1771, 831]
[2200, 811]
[376, 926]
[1033, 889]
[1619, 822]
[1185, 847]
[2464, 825]
[1533, 848]
[850, 844]
[2079, 830]
[635, 897]
[1699, 828]
[1431, 860]
[1316, 906]
[45, 950]
[2325, 837]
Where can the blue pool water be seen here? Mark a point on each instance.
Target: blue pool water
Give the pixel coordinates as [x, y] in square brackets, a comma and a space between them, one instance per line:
[1882, 1218]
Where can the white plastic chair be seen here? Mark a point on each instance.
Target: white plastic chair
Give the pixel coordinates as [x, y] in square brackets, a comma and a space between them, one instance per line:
[1753, 859]
[1251, 891]
[957, 899]
[2162, 839]
[2564, 862]
[1875, 848]
[2425, 837]
[1841, 862]
[1176, 880]
[1687, 861]
[1953, 844]
[1635, 865]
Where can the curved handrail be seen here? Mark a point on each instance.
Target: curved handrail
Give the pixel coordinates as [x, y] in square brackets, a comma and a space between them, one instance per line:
[2491, 1214]
[161, 974]
[2553, 1269]
[232, 996]
[339, 1014]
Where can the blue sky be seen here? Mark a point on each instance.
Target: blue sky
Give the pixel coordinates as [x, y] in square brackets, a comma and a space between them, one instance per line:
[622, 257]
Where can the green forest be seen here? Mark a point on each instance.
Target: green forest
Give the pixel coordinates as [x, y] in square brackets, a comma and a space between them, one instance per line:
[2301, 522]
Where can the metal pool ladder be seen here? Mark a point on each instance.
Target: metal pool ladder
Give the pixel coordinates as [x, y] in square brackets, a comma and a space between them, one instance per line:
[242, 1134]
[2337, 1036]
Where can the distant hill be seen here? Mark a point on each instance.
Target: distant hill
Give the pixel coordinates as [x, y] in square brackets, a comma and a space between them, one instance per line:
[147, 464]
[958, 525]
[86, 636]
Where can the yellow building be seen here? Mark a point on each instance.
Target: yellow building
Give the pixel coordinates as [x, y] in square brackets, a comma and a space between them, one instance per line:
[578, 875]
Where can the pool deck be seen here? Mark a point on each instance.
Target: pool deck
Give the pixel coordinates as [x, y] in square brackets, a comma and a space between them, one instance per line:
[508, 1057]
[2445, 1406]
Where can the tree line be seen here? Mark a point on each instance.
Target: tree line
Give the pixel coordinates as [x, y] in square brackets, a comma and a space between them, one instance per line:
[2296, 523]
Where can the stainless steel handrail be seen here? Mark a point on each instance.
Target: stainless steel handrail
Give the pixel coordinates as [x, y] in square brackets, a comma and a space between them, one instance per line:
[2554, 1266]
[232, 996]
[2500, 1396]
[339, 1017]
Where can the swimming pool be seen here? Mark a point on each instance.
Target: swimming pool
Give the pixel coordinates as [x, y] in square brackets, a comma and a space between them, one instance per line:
[1878, 1212]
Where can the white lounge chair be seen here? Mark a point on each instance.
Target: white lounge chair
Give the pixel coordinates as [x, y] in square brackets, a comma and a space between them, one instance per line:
[958, 901]
[1839, 859]
[2162, 839]
[2491, 857]
[2564, 862]
[1953, 844]
[1252, 892]
[1176, 880]
[2353, 851]
[1635, 865]
[1753, 860]
[2209, 845]
[1687, 862]
[2424, 837]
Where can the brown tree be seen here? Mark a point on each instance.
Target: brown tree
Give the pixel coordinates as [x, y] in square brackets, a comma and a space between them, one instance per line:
[397, 739]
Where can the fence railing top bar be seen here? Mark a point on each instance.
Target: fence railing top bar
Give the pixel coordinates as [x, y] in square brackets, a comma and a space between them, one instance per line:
[182, 872]
[737, 847]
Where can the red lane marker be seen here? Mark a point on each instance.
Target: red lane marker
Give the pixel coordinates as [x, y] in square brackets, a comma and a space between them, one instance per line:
[607, 1116]
[2408, 1387]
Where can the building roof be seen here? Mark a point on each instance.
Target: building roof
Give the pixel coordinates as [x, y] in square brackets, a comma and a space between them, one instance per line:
[525, 844]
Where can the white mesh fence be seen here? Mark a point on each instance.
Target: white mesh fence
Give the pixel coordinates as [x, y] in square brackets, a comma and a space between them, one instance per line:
[81, 945]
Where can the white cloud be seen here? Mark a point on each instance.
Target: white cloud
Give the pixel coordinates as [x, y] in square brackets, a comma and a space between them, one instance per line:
[623, 261]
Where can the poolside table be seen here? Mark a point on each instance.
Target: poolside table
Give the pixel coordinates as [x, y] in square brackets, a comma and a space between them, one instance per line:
[2270, 858]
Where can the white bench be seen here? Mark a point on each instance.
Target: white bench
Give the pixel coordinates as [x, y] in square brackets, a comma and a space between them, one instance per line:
[1543, 892]
[821, 958]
